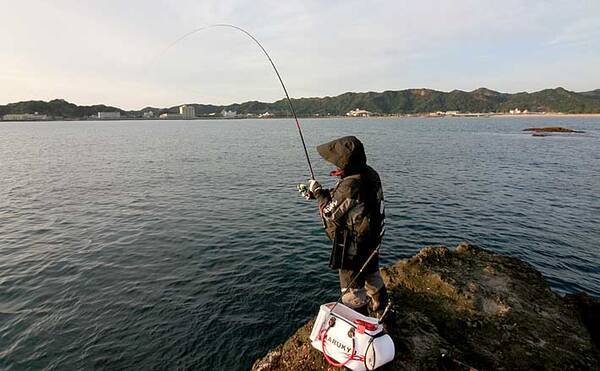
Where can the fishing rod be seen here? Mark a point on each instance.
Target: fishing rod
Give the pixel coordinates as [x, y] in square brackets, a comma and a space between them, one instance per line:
[225, 25]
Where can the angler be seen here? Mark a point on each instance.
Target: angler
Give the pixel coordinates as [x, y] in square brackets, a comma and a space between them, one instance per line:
[354, 217]
[354, 220]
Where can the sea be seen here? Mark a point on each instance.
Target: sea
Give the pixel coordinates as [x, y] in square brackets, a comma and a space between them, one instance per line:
[154, 245]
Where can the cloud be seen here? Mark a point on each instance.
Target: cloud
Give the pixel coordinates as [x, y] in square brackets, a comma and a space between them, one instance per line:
[584, 32]
[100, 51]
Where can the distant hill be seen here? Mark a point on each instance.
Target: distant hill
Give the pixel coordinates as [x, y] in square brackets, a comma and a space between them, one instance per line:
[410, 101]
[56, 107]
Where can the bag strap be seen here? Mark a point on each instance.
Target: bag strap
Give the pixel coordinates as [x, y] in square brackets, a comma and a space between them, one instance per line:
[328, 358]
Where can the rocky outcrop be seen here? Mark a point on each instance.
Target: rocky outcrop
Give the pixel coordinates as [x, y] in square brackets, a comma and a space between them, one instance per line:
[471, 307]
[552, 129]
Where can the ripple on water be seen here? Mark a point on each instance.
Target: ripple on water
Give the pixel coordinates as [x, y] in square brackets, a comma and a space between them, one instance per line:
[153, 245]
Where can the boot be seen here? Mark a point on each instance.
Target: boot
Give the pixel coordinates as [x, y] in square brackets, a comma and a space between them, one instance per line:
[378, 302]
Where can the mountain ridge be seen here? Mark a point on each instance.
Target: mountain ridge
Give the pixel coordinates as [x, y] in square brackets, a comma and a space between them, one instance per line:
[388, 102]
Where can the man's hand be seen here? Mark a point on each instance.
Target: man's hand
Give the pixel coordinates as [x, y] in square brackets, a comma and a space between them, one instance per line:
[303, 189]
[313, 186]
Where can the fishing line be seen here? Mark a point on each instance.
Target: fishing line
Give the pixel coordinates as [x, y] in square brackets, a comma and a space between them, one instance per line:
[225, 25]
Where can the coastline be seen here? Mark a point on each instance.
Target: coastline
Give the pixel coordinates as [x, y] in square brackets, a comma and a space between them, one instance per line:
[337, 117]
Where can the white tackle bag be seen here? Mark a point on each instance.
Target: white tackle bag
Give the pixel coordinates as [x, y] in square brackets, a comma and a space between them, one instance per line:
[349, 339]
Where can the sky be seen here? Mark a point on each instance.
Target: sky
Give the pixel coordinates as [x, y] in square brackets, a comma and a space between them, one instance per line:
[113, 52]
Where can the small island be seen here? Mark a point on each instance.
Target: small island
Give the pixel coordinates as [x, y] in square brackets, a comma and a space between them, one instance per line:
[474, 307]
[552, 129]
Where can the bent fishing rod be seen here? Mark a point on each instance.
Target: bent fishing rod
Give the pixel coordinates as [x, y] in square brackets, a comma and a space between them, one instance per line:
[225, 25]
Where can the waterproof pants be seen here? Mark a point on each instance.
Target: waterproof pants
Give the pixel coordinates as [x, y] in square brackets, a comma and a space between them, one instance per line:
[367, 286]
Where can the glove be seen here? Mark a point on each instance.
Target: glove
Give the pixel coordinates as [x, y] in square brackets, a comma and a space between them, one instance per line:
[313, 186]
[303, 189]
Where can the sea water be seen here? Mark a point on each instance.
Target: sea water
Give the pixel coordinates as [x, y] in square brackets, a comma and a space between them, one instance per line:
[184, 244]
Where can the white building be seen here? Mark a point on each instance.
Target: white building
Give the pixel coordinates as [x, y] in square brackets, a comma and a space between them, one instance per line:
[148, 114]
[187, 112]
[24, 117]
[445, 113]
[358, 113]
[109, 115]
[170, 116]
[228, 114]
[265, 115]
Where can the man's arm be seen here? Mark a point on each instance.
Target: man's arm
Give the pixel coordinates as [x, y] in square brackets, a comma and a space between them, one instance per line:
[335, 204]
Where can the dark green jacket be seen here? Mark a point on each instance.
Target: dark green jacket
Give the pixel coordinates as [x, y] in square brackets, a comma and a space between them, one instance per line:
[353, 210]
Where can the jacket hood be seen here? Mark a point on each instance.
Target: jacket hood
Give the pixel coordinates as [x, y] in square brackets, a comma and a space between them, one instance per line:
[347, 153]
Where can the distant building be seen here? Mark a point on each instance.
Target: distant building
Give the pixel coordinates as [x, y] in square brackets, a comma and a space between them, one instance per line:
[187, 112]
[445, 113]
[171, 116]
[115, 115]
[265, 115]
[517, 111]
[228, 114]
[358, 113]
[24, 117]
[148, 114]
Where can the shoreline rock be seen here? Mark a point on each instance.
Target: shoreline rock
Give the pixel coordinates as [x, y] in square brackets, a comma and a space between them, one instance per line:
[552, 129]
[481, 308]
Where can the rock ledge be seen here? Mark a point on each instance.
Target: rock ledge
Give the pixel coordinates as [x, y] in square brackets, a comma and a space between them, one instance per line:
[483, 309]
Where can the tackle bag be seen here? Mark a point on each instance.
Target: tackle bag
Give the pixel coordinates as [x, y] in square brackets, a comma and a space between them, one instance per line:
[349, 339]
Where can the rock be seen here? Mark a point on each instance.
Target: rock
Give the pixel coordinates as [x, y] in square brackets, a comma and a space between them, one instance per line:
[589, 310]
[472, 306]
[552, 129]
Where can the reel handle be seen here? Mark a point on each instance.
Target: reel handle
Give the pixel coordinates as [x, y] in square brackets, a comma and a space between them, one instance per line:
[303, 189]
